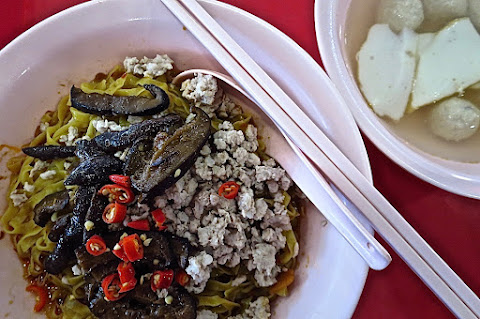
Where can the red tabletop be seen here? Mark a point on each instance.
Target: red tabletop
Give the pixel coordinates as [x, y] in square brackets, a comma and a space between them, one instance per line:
[450, 223]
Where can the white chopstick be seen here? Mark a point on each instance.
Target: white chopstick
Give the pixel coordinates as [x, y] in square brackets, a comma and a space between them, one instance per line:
[376, 256]
[283, 111]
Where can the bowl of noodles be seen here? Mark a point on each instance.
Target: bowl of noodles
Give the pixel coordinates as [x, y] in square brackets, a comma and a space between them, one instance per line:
[225, 234]
[411, 94]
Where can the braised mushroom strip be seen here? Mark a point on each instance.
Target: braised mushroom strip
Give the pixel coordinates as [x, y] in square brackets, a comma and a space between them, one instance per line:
[104, 104]
[158, 164]
[53, 203]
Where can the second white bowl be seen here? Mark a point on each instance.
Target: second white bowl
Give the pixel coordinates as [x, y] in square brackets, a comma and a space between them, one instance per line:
[331, 18]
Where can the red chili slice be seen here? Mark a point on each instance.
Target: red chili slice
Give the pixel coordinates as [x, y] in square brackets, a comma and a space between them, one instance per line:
[111, 286]
[126, 272]
[133, 247]
[161, 279]
[229, 190]
[141, 224]
[181, 277]
[129, 285]
[159, 218]
[121, 180]
[119, 252]
[114, 213]
[42, 296]
[117, 193]
[96, 245]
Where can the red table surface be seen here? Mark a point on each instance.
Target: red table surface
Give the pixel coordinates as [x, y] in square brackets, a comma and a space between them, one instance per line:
[450, 223]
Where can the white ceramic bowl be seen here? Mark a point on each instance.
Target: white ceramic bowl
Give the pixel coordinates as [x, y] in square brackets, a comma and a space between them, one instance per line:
[71, 47]
[330, 23]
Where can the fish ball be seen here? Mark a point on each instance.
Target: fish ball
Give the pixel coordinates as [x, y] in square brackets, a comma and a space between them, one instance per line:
[440, 12]
[474, 11]
[399, 14]
[454, 119]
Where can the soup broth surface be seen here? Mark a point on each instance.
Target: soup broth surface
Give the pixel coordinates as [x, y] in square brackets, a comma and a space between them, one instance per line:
[412, 128]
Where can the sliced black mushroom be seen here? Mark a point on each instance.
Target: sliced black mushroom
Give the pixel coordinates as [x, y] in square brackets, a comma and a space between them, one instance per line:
[64, 253]
[94, 215]
[181, 249]
[115, 141]
[96, 267]
[145, 304]
[88, 149]
[46, 152]
[144, 294]
[99, 266]
[59, 227]
[50, 204]
[159, 249]
[104, 104]
[87, 262]
[107, 142]
[94, 171]
[153, 167]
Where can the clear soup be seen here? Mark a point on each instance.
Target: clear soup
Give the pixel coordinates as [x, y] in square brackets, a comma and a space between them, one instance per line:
[412, 128]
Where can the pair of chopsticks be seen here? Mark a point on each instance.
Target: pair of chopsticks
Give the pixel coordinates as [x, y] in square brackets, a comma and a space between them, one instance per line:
[388, 222]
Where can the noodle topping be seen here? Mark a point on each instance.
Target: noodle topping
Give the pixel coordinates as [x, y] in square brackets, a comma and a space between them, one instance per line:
[199, 222]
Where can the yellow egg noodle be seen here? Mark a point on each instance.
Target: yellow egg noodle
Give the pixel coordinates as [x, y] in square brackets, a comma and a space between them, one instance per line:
[31, 241]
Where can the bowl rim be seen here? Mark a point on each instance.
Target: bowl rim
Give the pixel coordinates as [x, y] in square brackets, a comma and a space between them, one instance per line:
[456, 177]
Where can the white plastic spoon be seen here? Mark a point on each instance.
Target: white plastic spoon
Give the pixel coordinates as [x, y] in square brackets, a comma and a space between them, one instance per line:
[344, 219]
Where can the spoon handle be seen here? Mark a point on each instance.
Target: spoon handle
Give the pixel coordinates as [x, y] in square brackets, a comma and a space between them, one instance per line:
[342, 218]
